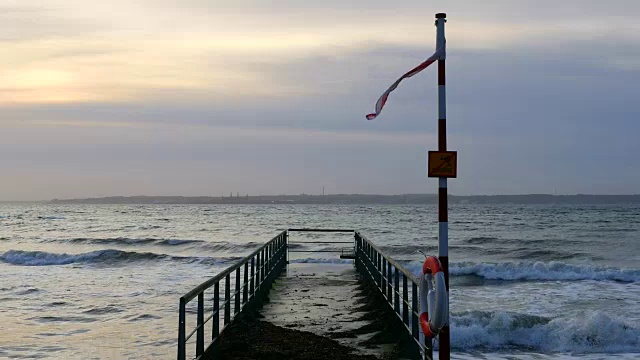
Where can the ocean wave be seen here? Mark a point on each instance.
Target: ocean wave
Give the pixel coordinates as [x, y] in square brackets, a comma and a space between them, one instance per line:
[593, 332]
[404, 249]
[103, 257]
[539, 254]
[124, 241]
[231, 246]
[129, 241]
[536, 271]
[321, 261]
[544, 271]
[482, 240]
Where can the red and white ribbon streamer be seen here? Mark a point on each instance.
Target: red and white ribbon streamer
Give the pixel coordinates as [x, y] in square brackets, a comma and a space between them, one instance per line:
[439, 54]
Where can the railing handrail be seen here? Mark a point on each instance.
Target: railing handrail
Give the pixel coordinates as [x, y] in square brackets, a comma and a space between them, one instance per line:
[321, 230]
[265, 263]
[207, 284]
[376, 265]
[393, 262]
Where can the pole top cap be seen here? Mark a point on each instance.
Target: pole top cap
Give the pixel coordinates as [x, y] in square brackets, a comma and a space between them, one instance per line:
[441, 16]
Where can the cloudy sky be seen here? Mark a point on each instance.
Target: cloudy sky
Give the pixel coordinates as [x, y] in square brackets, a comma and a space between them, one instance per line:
[207, 97]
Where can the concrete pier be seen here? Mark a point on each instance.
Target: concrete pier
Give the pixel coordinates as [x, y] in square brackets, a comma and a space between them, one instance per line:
[268, 306]
[325, 300]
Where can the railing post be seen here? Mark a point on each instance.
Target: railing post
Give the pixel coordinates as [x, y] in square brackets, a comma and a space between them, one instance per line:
[262, 262]
[267, 269]
[216, 311]
[357, 251]
[273, 256]
[265, 266]
[258, 272]
[245, 284]
[253, 277]
[371, 263]
[415, 308]
[276, 252]
[362, 255]
[384, 276]
[261, 270]
[182, 352]
[361, 261]
[274, 261]
[405, 301]
[200, 331]
[286, 244]
[428, 348]
[269, 266]
[283, 252]
[380, 272]
[370, 266]
[227, 299]
[389, 290]
[276, 256]
[396, 285]
[375, 272]
[236, 308]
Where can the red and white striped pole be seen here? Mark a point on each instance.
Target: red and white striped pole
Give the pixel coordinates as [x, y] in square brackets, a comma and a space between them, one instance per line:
[444, 340]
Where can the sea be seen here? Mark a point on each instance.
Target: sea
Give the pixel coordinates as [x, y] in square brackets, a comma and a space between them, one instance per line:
[527, 281]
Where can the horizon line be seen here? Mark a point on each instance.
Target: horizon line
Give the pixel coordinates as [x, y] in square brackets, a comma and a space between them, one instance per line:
[300, 195]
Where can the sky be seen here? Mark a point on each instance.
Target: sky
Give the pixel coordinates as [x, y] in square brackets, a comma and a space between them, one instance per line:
[208, 97]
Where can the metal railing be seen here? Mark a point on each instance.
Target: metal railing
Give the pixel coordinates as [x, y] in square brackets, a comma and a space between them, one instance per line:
[397, 285]
[254, 276]
[329, 250]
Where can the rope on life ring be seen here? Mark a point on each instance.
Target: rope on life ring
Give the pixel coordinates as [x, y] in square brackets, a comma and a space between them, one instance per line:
[434, 302]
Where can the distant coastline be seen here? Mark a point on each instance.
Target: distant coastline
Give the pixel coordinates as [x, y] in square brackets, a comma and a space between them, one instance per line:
[360, 199]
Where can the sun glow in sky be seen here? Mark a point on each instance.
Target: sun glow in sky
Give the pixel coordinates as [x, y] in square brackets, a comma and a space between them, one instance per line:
[202, 97]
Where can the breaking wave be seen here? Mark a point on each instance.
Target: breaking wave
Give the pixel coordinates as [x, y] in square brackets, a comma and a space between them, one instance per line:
[544, 271]
[123, 241]
[130, 241]
[104, 257]
[594, 332]
[541, 271]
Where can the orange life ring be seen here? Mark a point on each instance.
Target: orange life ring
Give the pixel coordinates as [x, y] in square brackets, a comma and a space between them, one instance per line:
[434, 301]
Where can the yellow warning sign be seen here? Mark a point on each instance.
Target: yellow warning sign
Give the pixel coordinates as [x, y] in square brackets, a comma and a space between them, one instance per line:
[443, 164]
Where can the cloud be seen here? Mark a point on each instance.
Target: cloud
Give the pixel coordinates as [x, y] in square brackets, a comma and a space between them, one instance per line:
[73, 52]
[129, 95]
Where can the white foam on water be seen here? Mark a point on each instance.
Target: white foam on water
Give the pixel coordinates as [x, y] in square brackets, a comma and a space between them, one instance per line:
[42, 258]
[551, 271]
[108, 256]
[594, 332]
[545, 271]
[538, 356]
